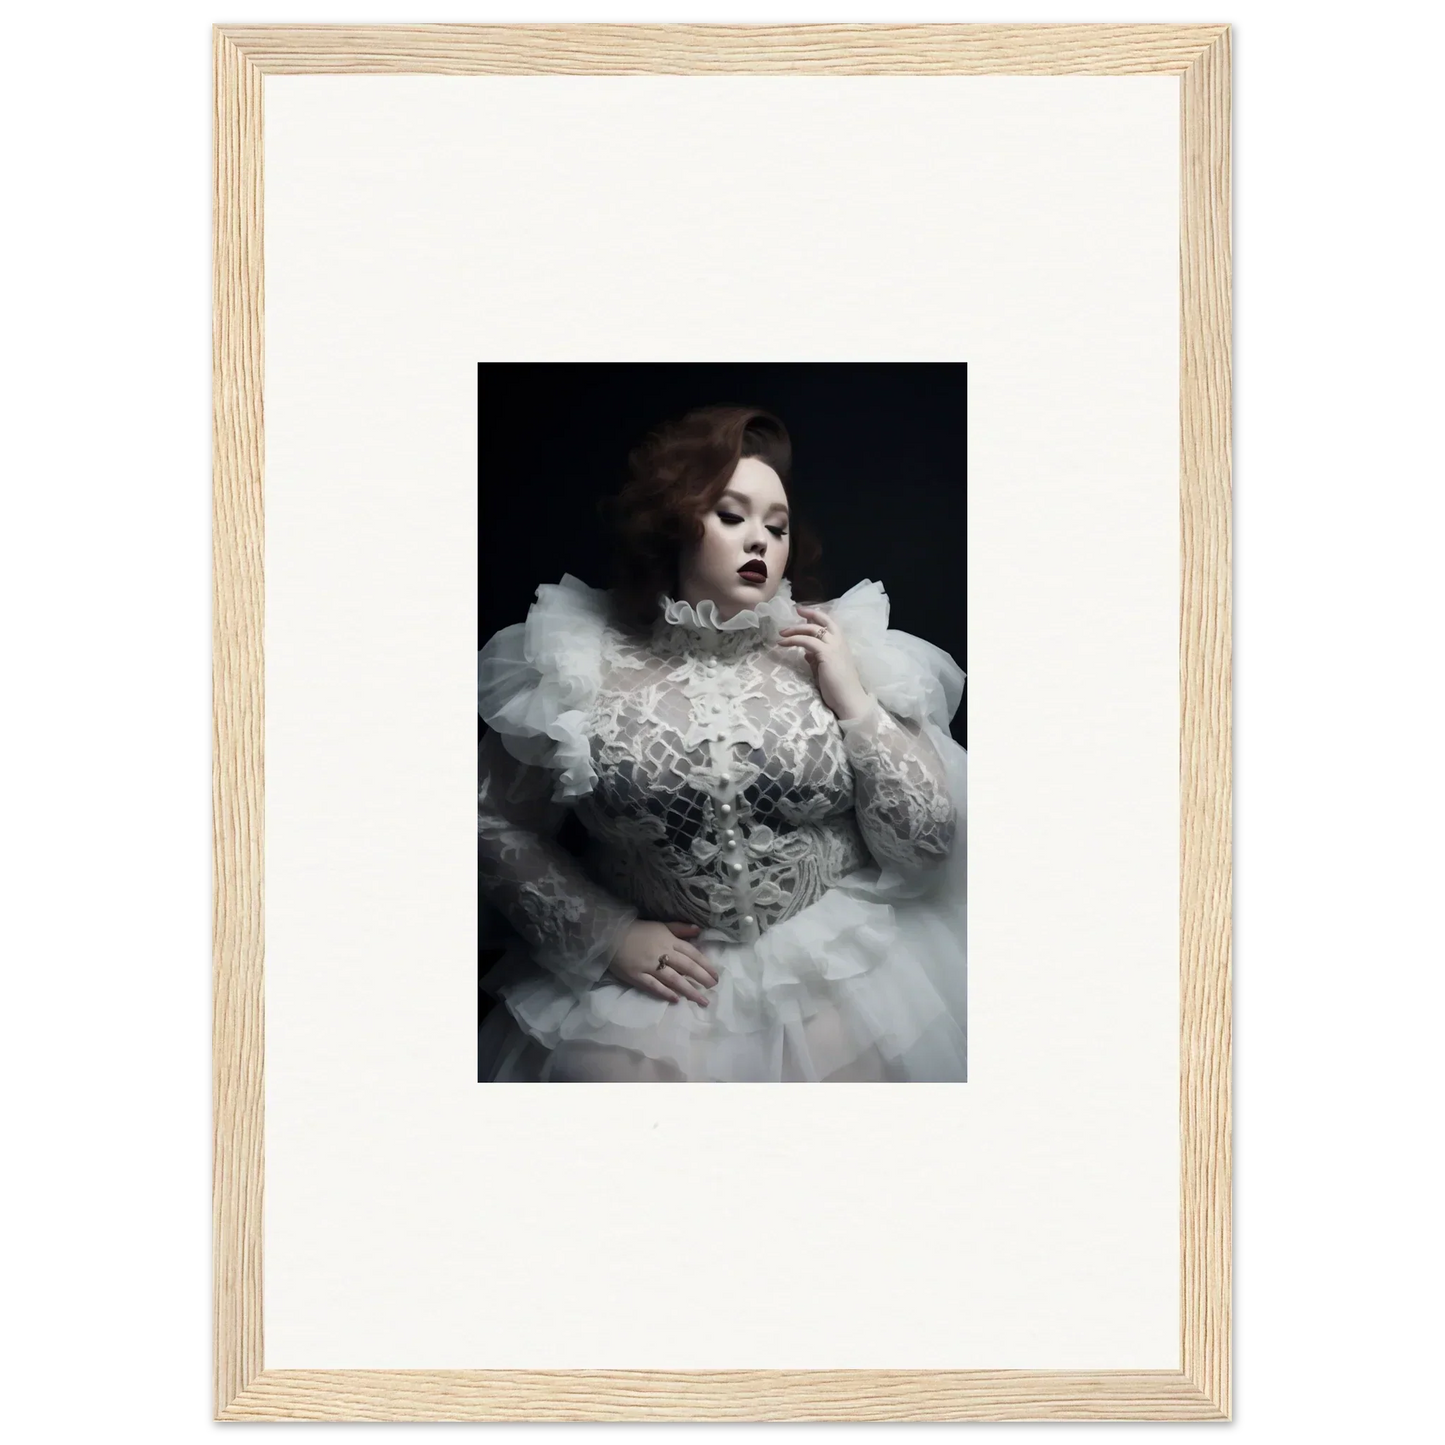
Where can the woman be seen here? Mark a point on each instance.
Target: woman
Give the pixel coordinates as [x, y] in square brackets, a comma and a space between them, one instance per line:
[773, 885]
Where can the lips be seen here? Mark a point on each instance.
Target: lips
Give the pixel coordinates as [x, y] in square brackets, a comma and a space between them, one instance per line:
[753, 572]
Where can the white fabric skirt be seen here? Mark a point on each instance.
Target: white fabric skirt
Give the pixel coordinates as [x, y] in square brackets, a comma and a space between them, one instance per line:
[851, 988]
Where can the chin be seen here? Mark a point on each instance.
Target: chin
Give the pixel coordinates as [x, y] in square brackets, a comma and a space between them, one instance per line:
[750, 595]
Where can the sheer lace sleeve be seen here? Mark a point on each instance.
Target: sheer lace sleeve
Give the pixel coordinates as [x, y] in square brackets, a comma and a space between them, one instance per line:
[906, 809]
[571, 924]
[901, 795]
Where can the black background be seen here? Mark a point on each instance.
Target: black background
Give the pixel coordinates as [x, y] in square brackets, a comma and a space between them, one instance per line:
[879, 471]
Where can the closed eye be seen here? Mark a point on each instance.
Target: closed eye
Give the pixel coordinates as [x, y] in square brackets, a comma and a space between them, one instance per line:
[731, 519]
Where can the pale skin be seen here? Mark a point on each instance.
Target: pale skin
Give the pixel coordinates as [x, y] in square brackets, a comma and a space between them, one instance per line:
[748, 524]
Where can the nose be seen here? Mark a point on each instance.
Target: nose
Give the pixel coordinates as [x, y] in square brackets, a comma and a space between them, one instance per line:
[758, 539]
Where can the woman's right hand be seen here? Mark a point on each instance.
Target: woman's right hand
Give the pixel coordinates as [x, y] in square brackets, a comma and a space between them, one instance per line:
[685, 974]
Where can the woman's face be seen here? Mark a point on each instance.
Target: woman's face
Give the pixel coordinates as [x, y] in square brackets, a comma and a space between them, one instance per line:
[739, 561]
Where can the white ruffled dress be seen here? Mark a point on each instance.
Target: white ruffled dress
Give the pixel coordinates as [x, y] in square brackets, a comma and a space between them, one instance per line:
[823, 860]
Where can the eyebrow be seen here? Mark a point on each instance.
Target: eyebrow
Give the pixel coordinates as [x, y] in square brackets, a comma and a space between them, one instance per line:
[747, 502]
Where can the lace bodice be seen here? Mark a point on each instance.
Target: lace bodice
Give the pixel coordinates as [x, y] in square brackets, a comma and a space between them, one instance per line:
[714, 784]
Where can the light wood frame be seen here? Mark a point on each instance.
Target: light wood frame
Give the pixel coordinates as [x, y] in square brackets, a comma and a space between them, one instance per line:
[1200, 1388]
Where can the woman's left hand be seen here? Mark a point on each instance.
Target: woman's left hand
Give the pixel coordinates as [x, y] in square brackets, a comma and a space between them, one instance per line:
[826, 648]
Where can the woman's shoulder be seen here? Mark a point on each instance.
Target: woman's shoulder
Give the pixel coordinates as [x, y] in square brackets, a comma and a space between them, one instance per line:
[569, 598]
[561, 615]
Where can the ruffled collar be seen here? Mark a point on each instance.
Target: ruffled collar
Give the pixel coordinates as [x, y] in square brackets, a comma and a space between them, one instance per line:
[681, 627]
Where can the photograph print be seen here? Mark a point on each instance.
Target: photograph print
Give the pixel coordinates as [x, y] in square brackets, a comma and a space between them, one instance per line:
[722, 767]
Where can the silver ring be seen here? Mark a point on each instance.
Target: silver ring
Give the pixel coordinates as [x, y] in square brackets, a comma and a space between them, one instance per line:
[661, 962]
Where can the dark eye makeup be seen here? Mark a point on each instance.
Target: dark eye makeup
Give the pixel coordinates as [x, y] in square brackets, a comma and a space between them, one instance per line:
[731, 519]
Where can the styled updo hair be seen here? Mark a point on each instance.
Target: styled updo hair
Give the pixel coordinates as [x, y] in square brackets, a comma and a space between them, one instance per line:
[674, 477]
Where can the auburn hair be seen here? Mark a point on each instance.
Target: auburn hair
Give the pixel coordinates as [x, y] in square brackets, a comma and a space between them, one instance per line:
[674, 477]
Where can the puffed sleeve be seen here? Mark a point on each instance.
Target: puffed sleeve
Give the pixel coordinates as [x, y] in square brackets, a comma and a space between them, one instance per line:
[905, 804]
[535, 681]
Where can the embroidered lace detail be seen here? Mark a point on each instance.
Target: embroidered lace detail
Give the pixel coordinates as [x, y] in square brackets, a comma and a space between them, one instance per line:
[571, 923]
[903, 807]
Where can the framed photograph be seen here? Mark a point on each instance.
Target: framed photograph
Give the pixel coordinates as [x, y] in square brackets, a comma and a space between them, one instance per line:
[828, 428]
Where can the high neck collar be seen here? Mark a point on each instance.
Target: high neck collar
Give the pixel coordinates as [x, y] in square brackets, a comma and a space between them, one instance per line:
[681, 627]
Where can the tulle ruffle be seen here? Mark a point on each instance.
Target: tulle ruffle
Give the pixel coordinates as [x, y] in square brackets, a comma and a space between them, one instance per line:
[910, 676]
[777, 612]
[536, 681]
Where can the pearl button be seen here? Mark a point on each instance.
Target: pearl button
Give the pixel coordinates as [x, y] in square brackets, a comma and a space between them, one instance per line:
[748, 920]
[726, 810]
[736, 867]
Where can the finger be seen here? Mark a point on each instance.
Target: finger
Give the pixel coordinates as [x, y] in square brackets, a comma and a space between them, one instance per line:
[804, 644]
[678, 980]
[689, 967]
[683, 929]
[650, 983]
[816, 614]
[697, 957]
[687, 961]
